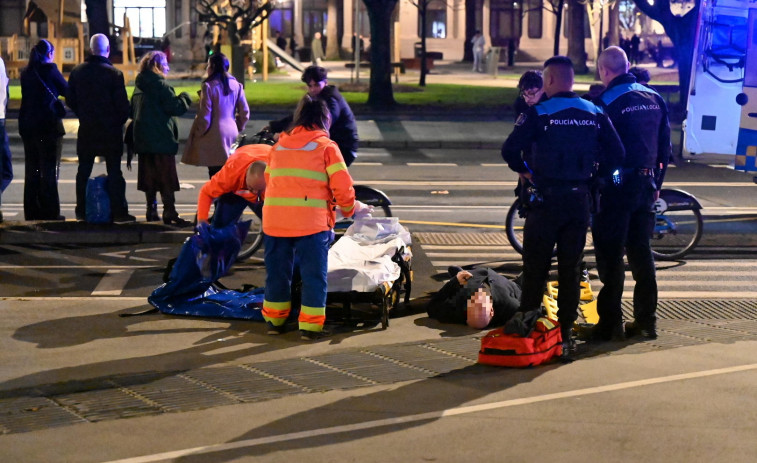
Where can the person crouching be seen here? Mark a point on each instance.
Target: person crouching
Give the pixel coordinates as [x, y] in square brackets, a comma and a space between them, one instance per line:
[307, 177]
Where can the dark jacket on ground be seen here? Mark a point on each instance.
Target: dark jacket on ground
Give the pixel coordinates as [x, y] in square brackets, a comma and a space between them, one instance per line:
[640, 116]
[34, 116]
[97, 95]
[449, 305]
[154, 107]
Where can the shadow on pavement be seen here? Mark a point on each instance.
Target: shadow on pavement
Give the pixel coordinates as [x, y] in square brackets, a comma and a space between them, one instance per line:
[431, 396]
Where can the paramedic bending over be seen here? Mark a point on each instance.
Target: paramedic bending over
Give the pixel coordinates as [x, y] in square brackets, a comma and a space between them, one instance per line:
[239, 184]
[307, 177]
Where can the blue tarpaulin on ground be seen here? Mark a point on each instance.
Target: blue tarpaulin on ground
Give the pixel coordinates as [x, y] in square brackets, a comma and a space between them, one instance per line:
[204, 258]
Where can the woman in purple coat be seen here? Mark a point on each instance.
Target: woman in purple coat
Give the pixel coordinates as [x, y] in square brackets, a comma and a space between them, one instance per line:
[221, 115]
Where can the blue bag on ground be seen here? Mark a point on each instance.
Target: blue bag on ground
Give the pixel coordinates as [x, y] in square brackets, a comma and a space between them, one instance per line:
[98, 201]
[204, 258]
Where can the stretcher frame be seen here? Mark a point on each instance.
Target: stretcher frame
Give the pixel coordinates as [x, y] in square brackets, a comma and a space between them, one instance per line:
[386, 296]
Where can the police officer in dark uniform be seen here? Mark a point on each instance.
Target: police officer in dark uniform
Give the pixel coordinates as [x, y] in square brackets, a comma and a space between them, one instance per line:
[568, 137]
[625, 219]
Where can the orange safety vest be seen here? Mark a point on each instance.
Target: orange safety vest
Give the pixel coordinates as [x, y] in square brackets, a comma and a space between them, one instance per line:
[306, 178]
[231, 178]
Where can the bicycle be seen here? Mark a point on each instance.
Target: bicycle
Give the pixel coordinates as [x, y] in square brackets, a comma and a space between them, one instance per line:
[677, 230]
[363, 193]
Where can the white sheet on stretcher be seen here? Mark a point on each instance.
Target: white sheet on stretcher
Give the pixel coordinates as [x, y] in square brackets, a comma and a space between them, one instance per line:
[356, 266]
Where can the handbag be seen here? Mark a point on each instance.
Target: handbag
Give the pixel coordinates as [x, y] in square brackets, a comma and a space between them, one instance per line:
[54, 104]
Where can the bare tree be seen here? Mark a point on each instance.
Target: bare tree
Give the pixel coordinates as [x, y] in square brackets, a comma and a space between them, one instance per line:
[422, 6]
[556, 7]
[380, 14]
[681, 28]
[237, 18]
[97, 17]
[576, 46]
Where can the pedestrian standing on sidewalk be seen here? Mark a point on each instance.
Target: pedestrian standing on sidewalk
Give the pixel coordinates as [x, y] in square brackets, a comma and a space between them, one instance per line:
[316, 48]
[479, 43]
[97, 95]
[40, 123]
[625, 219]
[222, 114]
[568, 136]
[307, 180]
[6, 165]
[154, 107]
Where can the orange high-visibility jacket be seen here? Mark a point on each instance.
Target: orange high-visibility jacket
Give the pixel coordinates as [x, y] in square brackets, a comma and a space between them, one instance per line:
[231, 178]
[306, 177]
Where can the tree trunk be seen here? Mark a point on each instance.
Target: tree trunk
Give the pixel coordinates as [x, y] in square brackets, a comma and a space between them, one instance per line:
[423, 10]
[576, 39]
[97, 17]
[470, 29]
[614, 27]
[380, 93]
[682, 31]
[332, 44]
[558, 27]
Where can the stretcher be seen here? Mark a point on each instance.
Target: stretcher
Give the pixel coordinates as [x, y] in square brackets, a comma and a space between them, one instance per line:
[587, 303]
[369, 265]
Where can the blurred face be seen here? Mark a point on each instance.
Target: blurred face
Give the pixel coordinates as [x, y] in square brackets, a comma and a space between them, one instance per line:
[314, 88]
[531, 95]
[209, 69]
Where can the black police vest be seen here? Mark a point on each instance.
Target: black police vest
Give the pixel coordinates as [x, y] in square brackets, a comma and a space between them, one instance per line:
[566, 147]
[636, 111]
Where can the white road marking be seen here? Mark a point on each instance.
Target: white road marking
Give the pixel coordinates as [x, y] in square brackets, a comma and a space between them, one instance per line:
[113, 282]
[125, 254]
[247, 443]
[74, 298]
[47, 267]
[431, 164]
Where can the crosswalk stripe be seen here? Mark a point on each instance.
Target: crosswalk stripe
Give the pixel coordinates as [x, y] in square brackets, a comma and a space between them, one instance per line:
[691, 279]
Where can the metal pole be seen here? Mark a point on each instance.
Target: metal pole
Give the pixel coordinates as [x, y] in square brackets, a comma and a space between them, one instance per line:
[356, 29]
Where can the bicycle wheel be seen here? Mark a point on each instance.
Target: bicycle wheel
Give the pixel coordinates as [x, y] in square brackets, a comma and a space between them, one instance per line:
[676, 233]
[254, 237]
[514, 226]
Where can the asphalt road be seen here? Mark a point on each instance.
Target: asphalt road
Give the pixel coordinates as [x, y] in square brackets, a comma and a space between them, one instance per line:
[685, 398]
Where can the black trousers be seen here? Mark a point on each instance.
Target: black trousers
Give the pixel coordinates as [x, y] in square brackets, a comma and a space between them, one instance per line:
[116, 182]
[42, 165]
[562, 220]
[625, 221]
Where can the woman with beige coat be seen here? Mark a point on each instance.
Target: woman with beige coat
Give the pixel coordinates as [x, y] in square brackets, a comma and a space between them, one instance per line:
[221, 115]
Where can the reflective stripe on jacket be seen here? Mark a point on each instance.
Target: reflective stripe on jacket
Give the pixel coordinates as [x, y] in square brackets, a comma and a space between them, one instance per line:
[306, 177]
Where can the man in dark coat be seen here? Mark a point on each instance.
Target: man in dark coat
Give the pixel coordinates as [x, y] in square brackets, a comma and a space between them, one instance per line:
[449, 305]
[96, 93]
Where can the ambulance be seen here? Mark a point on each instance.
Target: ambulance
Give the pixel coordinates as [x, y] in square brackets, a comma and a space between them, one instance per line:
[721, 114]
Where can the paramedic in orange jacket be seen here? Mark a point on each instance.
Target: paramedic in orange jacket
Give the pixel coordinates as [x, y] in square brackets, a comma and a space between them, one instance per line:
[307, 179]
[239, 184]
